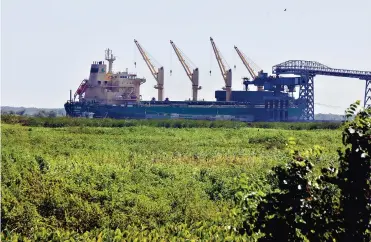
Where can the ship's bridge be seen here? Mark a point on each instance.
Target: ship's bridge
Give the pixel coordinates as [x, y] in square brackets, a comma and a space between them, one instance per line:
[127, 75]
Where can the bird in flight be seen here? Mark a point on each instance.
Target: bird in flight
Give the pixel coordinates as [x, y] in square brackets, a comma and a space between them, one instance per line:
[285, 10]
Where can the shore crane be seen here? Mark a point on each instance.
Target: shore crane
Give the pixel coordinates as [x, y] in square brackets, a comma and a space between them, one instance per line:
[158, 75]
[192, 75]
[248, 67]
[226, 73]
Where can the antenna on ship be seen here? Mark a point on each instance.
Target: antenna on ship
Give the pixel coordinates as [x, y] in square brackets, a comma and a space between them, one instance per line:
[110, 58]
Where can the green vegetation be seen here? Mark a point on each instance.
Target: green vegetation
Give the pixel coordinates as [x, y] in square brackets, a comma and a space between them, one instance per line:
[71, 122]
[149, 181]
[332, 206]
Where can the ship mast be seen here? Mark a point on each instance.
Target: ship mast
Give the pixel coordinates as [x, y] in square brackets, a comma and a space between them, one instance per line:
[110, 58]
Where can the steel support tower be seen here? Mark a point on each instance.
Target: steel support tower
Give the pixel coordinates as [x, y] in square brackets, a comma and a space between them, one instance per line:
[367, 102]
[308, 70]
[306, 93]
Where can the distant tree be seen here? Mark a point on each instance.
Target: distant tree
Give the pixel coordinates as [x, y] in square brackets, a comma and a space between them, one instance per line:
[52, 114]
[41, 114]
[21, 112]
[61, 112]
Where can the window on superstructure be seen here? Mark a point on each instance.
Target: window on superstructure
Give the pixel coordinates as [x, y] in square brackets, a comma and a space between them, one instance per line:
[94, 70]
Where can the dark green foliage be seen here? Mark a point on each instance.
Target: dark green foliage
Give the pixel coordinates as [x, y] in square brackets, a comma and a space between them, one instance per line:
[333, 206]
[270, 141]
[44, 120]
[297, 125]
[280, 213]
[354, 177]
[43, 165]
[21, 112]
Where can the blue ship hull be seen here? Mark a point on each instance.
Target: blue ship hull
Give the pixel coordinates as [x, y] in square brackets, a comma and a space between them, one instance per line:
[183, 110]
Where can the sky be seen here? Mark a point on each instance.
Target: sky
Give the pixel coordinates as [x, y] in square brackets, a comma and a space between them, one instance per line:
[47, 46]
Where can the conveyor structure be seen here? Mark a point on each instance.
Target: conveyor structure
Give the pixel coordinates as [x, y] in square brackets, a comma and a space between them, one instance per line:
[307, 70]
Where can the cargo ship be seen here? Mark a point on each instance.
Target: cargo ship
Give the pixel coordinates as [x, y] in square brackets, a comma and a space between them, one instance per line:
[108, 94]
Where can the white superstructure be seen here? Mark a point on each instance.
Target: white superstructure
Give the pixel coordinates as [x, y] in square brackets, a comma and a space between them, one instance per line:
[108, 87]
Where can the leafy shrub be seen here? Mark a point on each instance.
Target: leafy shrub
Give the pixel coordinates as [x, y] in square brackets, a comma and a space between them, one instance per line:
[354, 177]
[335, 205]
[269, 141]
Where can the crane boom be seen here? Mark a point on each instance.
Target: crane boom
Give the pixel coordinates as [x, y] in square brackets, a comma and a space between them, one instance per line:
[151, 67]
[244, 61]
[247, 65]
[222, 67]
[227, 74]
[192, 75]
[182, 61]
[158, 75]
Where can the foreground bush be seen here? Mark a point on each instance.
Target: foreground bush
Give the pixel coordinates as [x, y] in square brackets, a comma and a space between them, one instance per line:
[334, 206]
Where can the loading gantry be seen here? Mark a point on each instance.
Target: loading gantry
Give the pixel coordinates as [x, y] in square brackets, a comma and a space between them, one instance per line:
[226, 73]
[192, 75]
[308, 70]
[158, 75]
[249, 67]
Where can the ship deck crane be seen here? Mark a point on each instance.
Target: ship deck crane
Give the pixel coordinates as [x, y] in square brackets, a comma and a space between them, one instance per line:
[81, 90]
[248, 66]
[226, 73]
[192, 75]
[157, 74]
